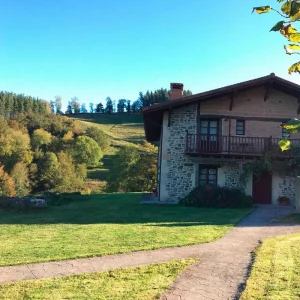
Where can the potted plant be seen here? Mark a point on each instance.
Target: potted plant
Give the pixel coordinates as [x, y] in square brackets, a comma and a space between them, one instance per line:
[283, 201]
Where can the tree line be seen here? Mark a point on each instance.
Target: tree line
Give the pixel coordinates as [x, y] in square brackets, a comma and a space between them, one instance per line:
[46, 152]
[11, 103]
[110, 106]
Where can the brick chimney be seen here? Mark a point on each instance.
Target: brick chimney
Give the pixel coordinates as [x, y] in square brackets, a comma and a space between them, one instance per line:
[176, 90]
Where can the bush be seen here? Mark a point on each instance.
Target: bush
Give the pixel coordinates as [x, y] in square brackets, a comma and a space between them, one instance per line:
[57, 199]
[219, 197]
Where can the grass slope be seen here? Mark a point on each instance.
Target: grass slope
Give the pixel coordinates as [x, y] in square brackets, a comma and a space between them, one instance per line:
[276, 271]
[122, 129]
[107, 224]
[143, 283]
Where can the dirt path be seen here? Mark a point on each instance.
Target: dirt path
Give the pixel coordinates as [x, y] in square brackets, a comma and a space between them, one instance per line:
[220, 274]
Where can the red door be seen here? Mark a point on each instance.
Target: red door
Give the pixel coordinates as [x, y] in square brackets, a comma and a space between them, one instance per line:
[262, 189]
[209, 130]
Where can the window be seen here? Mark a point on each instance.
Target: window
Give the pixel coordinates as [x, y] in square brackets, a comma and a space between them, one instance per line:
[240, 127]
[284, 131]
[208, 176]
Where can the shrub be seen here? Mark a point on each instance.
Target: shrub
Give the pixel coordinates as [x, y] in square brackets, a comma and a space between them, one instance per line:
[220, 197]
[99, 136]
[57, 199]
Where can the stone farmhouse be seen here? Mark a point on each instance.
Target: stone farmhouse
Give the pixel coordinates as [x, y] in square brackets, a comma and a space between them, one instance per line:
[208, 138]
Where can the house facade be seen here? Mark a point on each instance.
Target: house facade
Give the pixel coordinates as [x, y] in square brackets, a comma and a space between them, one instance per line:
[209, 138]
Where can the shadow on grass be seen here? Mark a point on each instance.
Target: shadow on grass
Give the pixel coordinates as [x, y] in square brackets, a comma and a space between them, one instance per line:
[123, 209]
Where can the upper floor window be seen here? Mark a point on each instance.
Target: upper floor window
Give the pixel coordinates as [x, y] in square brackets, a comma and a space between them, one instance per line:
[240, 127]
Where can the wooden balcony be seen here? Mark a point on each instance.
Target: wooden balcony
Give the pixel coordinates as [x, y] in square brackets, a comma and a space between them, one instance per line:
[236, 146]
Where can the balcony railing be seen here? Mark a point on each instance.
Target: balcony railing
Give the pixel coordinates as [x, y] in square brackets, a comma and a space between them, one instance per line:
[236, 145]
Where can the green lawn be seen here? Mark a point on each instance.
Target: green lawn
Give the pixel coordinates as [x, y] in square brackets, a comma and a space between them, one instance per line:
[276, 271]
[106, 224]
[290, 219]
[143, 283]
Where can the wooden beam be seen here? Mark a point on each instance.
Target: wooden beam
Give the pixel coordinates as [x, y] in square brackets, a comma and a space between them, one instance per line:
[266, 119]
[268, 89]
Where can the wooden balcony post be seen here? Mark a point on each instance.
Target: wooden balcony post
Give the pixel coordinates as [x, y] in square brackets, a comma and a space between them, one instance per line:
[270, 143]
[229, 140]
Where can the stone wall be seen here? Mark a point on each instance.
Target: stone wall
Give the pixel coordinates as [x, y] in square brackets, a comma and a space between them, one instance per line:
[177, 170]
[232, 176]
[286, 186]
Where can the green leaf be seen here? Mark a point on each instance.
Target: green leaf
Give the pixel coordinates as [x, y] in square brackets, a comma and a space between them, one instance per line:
[288, 30]
[294, 37]
[284, 145]
[295, 11]
[286, 8]
[295, 68]
[293, 124]
[294, 46]
[279, 1]
[262, 9]
[278, 26]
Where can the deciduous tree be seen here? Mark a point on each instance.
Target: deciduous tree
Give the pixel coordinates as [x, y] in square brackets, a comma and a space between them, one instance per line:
[99, 136]
[20, 176]
[7, 187]
[289, 13]
[87, 151]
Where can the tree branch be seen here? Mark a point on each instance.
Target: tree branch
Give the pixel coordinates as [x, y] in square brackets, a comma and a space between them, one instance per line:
[280, 13]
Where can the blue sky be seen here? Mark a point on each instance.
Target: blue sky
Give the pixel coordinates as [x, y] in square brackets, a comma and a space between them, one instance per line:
[95, 48]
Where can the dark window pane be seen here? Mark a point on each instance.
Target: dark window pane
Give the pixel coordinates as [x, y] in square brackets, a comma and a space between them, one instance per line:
[208, 176]
[203, 171]
[213, 124]
[240, 127]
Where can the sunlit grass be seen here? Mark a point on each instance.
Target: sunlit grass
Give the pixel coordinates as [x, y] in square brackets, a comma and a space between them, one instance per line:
[105, 224]
[143, 283]
[275, 274]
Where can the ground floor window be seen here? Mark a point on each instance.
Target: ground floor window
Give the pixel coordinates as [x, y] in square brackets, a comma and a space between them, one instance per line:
[208, 175]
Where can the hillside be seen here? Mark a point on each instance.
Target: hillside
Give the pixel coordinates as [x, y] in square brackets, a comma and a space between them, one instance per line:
[122, 129]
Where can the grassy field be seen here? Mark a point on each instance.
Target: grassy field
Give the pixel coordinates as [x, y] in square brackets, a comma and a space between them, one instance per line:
[122, 129]
[143, 283]
[276, 271]
[104, 224]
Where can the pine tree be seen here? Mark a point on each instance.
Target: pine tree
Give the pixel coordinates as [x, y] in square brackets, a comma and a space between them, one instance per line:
[83, 108]
[91, 107]
[69, 109]
[109, 106]
[121, 105]
[128, 107]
